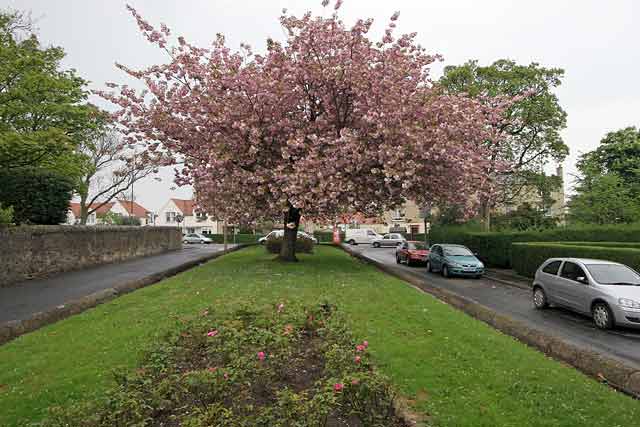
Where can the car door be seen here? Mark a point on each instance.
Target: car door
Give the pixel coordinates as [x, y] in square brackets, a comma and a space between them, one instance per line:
[385, 240]
[549, 279]
[397, 239]
[570, 290]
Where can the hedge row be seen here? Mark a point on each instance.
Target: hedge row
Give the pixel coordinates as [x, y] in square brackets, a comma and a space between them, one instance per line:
[527, 257]
[495, 248]
[239, 238]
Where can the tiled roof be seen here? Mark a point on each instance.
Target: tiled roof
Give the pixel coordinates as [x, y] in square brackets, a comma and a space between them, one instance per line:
[75, 208]
[185, 206]
[139, 211]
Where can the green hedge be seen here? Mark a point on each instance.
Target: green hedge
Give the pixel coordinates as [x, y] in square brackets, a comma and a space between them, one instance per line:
[527, 257]
[494, 248]
[239, 238]
[303, 245]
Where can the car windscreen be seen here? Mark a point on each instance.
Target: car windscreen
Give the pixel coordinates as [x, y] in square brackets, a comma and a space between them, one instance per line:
[457, 251]
[612, 274]
[417, 246]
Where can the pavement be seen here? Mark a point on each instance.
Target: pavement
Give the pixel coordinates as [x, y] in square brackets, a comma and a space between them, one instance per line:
[514, 300]
[21, 301]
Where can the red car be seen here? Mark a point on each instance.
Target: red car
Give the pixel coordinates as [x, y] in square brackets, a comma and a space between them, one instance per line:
[412, 252]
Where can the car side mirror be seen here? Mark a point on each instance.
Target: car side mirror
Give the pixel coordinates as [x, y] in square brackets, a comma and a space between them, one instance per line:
[582, 280]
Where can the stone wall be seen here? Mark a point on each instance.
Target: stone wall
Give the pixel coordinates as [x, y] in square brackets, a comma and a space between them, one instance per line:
[37, 251]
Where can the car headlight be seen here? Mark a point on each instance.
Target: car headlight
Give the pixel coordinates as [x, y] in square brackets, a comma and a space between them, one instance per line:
[480, 265]
[455, 264]
[626, 302]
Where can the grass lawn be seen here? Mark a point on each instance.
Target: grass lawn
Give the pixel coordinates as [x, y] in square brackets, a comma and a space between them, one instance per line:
[458, 371]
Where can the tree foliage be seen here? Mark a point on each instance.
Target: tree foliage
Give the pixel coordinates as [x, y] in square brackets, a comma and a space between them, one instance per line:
[37, 196]
[531, 126]
[43, 114]
[326, 122]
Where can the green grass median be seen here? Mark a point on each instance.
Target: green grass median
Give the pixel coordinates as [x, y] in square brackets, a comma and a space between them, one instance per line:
[455, 370]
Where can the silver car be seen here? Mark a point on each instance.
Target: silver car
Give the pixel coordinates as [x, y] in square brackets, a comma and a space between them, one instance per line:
[196, 238]
[607, 291]
[391, 239]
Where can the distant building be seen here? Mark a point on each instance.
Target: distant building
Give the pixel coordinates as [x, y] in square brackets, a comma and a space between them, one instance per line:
[119, 207]
[191, 220]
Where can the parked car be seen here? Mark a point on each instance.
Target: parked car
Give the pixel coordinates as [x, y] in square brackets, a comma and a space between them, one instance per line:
[280, 233]
[454, 260]
[606, 291]
[391, 239]
[412, 252]
[196, 238]
[361, 236]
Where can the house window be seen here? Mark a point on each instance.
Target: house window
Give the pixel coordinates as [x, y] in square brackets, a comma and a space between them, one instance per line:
[91, 219]
[171, 216]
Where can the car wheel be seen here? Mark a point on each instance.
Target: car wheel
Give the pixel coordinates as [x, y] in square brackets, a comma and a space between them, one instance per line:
[540, 298]
[602, 316]
[429, 270]
[351, 242]
[376, 244]
[398, 261]
[445, 271]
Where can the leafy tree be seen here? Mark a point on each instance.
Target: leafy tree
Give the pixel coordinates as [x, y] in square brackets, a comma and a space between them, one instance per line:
[37, 196]
[327, 122]
[531, 126]
[608, 188]
[524, 217]
[112, 218]
[43, 114]
[111, 169]
[6, 215]
[604, 199]
[619, 153]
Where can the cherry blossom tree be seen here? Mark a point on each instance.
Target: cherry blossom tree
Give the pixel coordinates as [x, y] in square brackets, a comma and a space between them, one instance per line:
[325, 122]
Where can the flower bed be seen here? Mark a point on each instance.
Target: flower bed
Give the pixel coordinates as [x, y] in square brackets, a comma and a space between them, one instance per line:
[281, 366]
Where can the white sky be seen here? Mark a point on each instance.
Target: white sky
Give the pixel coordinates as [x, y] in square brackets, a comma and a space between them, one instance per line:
[597, 42]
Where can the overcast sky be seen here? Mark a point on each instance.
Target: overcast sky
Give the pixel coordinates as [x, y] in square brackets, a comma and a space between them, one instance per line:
[597, 42]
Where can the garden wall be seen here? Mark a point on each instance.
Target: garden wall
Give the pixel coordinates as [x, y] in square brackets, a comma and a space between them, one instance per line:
[36, 251]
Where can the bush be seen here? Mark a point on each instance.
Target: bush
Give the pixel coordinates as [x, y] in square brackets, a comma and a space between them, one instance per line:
[37, 196]
[279, 366]
[527, 257]
[6, 215]
[239, 238]
[494, 248]
[303, 245]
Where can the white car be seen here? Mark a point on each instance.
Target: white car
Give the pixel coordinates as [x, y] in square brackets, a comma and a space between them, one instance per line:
[280, 233]
[361, 235]
[196, 238]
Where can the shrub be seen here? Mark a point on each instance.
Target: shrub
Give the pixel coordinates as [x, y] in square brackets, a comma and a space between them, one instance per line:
[6, 215]
[494, 248]
[239, 238]
[37, 196]
[303, 245]
[527, 257]
[279, 366]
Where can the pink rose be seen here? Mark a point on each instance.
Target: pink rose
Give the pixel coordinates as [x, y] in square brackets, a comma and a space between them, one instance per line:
[338, 387]
[261, 355]
[357, 359]
[212, 333]
[360, 347]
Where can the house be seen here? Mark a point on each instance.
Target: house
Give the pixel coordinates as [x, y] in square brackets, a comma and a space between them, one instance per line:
[183, 213]
[124, 208]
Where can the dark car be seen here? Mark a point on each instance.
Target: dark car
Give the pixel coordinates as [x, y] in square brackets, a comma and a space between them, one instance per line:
[412, 252]
[454, 260]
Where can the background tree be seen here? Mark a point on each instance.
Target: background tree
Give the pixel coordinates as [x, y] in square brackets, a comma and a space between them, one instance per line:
[111, 169]
[530, 130]
[43, 110]
[608, 187]
[326, 122]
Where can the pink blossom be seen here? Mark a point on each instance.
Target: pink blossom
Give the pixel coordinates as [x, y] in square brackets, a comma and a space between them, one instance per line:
[212, 333]
[261, 355]
[357, 359]
[360, 347]
[338, 387]
[355, 381]
[365, 344]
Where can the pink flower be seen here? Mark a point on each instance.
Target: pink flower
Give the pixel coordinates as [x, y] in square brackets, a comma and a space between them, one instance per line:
[365, 344]
[226, 376]
[355, 382]
[280, 307]
[338, 387]
[360, 347]
[261, 355]
[357, 359]
[212, 333]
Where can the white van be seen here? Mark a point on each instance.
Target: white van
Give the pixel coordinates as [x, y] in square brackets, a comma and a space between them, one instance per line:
[361, 235]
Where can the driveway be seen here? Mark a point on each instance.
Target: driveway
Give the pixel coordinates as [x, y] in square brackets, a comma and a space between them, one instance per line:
[22, 300]
[620, 344]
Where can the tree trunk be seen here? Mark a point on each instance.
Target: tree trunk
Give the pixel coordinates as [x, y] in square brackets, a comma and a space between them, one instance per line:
[486, 216]
[84, 209]
[291, 223]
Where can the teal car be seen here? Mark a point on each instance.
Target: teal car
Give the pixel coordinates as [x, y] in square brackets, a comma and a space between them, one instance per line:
[454, 260]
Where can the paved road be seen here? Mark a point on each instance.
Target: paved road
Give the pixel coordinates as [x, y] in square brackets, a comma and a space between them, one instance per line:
[22, 300]
[623, 344]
